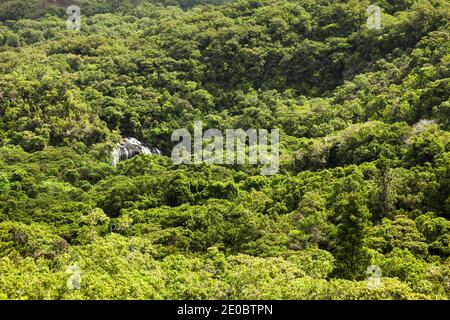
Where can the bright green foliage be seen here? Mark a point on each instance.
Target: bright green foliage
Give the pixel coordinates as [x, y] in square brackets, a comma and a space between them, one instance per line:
[364, 120]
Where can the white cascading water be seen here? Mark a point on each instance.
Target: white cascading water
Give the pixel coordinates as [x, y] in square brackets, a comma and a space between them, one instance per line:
[128, 148]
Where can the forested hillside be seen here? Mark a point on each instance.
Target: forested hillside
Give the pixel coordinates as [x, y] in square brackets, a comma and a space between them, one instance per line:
[364, 120]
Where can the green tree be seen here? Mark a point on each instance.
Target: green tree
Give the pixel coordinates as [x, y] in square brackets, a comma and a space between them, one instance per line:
[352, 256]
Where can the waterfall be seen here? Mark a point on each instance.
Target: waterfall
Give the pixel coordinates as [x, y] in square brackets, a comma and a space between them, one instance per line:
[128, 148]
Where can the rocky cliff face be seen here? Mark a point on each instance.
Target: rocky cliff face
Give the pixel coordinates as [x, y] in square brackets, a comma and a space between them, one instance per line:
[130, 147]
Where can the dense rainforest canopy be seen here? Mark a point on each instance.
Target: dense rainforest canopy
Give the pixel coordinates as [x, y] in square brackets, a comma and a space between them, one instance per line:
[364, 117]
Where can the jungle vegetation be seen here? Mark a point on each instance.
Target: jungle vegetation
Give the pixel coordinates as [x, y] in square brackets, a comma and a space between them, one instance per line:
[364, 180]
